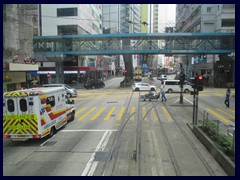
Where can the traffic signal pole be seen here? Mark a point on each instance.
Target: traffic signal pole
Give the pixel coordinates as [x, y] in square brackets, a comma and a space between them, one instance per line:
[198, 86]
[194, 104]
[182, 80]
[196, 109]
[181, 95]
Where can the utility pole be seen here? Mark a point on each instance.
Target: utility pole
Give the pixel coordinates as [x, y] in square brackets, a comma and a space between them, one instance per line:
[197, 86]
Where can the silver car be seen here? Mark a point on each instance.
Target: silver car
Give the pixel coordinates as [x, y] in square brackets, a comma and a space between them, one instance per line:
[71, 92]
[143, 87]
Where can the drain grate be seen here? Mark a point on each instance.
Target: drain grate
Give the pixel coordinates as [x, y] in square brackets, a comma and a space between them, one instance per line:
[101, 156]
[112, 102]
[50, 143]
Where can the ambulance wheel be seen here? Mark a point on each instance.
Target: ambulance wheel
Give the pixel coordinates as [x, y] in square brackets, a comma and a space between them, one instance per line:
[52, 132]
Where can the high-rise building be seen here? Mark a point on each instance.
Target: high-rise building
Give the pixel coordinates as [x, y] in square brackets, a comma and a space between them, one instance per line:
[160, 18]
[121, 18]
[18, 60]
[69, 19]
[220, 69]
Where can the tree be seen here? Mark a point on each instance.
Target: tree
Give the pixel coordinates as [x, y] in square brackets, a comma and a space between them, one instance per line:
[128, 65]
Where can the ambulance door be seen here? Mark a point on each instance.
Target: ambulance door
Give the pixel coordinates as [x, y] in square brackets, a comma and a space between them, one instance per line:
[10, 115]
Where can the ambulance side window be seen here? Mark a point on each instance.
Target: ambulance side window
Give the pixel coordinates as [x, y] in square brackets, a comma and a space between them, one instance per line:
[51, 101]
[23, 105]
[10, 105]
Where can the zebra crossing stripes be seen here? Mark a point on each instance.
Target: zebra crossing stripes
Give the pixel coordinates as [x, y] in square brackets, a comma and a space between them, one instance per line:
[109, 113]
[87, 113]
[119, 117]
[105, 113]
[220, 117]
[98, 113]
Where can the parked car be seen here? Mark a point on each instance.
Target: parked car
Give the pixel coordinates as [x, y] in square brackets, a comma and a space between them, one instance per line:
[71, 92]
[143, 87]
[94, 83]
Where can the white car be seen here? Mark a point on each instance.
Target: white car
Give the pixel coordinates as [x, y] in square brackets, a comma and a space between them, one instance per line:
[143, 87]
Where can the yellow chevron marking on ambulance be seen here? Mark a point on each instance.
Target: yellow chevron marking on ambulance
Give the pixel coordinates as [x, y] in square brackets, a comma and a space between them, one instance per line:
[87, 113]
[98, 113]
[109, 113]
[219, 116]
[120, 114]
[169, 117]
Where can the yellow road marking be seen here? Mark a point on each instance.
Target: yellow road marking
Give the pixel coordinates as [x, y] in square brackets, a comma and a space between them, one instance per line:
[119, 117]
[98, 113]
[231, 116]
[155, 118]
[144, 112]
[79, 111]
[231, 110]
[109, 113]
[169, 117]
[87, 113]
[133, 109]
[220, 117]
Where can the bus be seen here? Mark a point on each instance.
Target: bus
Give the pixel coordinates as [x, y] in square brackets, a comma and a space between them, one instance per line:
[137, 73]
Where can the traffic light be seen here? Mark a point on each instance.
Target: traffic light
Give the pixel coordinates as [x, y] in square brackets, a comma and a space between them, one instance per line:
[182, 77]
[198, 83]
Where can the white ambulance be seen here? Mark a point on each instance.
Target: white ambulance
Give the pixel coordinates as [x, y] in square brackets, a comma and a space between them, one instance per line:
[36, 112]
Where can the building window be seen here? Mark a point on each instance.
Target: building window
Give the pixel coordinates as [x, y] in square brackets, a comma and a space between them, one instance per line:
[228, 22]
[209, 9]
[67, 30]
[67, 12]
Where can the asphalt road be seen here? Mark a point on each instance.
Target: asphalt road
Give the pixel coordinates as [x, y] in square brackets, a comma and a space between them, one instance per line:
[117, 134]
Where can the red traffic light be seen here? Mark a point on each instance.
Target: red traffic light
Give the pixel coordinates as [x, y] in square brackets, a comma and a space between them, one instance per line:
[200, 77]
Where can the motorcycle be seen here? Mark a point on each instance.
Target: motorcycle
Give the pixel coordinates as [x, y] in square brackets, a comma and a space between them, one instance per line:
[151, 95]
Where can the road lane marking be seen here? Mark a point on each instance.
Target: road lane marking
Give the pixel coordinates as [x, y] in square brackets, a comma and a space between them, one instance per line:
[80, 130]
[79, 111]
[227, 114]
[98, 113]
[109, 113]
[187, 100]
[120, 114]
[133, 109]
[169, 117]
[91, 164]
[87, 113]
[219, 116]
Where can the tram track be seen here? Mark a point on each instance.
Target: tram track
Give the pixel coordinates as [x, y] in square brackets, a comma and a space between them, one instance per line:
[136, 154]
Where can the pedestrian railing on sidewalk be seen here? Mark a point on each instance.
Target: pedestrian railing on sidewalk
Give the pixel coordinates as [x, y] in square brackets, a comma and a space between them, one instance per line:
[222, 135]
